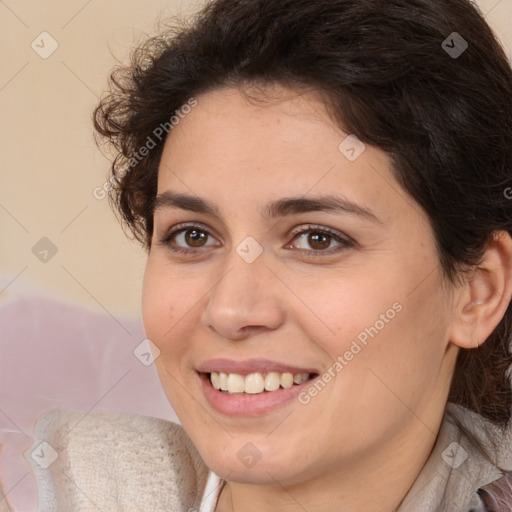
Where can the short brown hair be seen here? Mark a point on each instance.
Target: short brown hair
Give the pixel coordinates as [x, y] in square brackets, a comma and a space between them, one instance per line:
[389, 77]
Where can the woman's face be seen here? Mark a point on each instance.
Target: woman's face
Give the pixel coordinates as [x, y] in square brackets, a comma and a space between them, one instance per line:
[303, 256]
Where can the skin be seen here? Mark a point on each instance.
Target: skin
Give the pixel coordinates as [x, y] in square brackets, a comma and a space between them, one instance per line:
[361, 442]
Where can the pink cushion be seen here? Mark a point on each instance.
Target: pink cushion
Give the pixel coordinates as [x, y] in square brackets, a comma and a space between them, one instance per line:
[55, 354]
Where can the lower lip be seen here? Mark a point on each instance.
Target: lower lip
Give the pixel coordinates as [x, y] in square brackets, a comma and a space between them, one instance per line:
[247, 404]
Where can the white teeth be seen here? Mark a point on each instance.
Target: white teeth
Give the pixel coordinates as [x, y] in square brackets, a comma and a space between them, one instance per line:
[223, 381]
[255, 383]
[236, 383]
[287, 380]
[272, 381]
[300, 378]
[215, 379]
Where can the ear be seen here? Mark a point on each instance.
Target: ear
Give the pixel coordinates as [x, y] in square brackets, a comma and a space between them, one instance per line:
[482, 300]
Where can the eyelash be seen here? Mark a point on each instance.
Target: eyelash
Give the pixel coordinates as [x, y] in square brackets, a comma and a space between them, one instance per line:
[344, 241]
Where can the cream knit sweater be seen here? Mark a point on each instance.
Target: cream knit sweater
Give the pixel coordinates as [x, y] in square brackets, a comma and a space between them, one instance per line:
[118, 462]
[115, 462]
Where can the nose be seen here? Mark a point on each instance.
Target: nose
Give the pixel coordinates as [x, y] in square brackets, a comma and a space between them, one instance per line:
[244, 301]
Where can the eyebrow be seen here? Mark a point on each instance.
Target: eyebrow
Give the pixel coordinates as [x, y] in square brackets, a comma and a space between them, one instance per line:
[274, 209]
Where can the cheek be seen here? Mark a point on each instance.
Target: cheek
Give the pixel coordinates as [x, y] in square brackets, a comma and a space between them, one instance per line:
[164, 315]
[345, 309]
[386, 339]
[154, 303]
[164, 306]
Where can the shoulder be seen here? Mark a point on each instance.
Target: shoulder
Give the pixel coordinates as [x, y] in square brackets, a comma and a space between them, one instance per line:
[114, 461]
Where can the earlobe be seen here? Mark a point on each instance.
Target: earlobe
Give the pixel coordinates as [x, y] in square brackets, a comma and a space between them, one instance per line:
[482, 300]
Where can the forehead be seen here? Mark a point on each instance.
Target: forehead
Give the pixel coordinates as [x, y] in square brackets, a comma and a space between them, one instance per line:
[227, 119]
[285, 144]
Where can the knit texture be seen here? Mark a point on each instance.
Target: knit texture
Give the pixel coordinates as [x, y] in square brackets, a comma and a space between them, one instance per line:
[116, 462]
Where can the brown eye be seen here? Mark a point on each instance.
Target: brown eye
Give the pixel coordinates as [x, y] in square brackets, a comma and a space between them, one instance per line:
[319, 241]
[188, 238]
[195, 237]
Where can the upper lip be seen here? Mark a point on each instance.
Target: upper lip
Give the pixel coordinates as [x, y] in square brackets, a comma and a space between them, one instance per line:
[251, 366]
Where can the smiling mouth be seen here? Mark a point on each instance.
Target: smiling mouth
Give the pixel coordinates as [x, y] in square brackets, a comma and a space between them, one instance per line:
[256, 383]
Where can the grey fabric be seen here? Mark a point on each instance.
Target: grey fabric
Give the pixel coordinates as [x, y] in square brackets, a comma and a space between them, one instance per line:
[458, 467]
[123, 462]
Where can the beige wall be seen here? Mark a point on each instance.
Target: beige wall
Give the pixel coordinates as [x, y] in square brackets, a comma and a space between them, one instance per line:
[49, 163]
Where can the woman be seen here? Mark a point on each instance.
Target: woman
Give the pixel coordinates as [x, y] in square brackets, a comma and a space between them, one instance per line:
[323, 189]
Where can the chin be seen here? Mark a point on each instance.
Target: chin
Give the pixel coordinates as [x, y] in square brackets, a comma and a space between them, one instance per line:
[247, 465]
